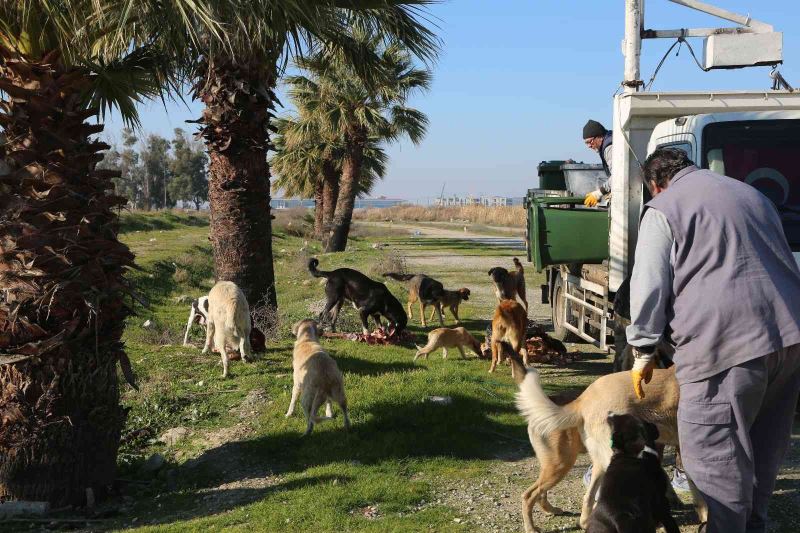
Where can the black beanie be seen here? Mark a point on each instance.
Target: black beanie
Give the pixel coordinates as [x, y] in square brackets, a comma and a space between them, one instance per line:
[593, 129]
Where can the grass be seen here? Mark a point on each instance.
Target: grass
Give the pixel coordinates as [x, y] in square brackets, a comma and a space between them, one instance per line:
[246, 467]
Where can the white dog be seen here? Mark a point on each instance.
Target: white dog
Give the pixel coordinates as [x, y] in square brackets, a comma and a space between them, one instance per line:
[316, 377]
[228, 322]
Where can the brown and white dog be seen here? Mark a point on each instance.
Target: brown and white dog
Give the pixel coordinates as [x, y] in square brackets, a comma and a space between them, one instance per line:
[451, 300]
[509, 285]
[198, 314]
[316, 377]
[559, 433]
[509, 324]
[445, 338]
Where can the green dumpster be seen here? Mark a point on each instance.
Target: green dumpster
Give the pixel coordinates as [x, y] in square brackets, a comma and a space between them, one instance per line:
[561, 231]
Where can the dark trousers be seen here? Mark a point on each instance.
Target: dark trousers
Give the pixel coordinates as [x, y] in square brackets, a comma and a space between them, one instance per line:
[734, 430]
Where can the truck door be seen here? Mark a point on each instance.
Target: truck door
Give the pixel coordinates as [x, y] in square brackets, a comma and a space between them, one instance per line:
[765, 154]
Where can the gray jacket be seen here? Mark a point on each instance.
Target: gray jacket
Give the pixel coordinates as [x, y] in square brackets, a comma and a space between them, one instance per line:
[718, 279]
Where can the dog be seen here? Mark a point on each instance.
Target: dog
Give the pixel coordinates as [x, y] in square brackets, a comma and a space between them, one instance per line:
[509, 285]
[633, 495]
[451, 300]
[228, 322]
[198, 314]
[422, 289]
[559, 433]
[316, 377]
[445, 338]
[509, 324]
[369, 297]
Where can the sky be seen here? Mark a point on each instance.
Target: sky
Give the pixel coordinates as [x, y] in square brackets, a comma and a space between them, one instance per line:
[517, 79]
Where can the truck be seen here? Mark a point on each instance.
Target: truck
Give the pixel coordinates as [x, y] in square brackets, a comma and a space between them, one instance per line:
[752, 136]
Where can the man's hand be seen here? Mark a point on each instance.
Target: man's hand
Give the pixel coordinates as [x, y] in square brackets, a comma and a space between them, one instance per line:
[642, 371]
[592, 198]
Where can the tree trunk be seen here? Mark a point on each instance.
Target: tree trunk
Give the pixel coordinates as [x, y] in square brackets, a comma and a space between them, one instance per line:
[330, 194]
[239, 99]
[348, 190]
[62, 272]
[319, 203]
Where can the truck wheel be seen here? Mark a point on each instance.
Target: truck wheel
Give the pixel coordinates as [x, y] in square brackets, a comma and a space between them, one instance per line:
[557, 306]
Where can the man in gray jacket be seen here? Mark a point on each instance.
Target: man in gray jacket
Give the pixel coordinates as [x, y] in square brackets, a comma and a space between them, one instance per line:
[715, 277]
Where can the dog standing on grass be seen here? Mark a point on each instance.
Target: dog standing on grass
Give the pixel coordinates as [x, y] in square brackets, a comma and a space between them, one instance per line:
[633, 495]
[451, 300]
[509, 285]
[445, 338]
[228, 322]
[316, 377]
[509, 324]
[422, 289]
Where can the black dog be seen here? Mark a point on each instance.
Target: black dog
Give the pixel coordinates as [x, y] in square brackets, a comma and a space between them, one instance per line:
[633, 493]
[369, 297]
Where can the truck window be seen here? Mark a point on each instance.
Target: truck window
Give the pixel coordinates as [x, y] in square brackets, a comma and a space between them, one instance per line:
[765, 154]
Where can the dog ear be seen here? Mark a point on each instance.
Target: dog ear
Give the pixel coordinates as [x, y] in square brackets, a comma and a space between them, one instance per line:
[296, 327]
[652, 431]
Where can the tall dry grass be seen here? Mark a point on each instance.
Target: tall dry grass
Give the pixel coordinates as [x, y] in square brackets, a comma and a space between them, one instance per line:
[512, 217]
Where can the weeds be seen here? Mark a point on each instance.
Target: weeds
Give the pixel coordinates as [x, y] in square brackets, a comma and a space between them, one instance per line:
[474, 214]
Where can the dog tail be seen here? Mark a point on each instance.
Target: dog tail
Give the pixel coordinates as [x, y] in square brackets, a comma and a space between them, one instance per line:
[312, 268]
[518, 266]
[543, 415]
[398, 277]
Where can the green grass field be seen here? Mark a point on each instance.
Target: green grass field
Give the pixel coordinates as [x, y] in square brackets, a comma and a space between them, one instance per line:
[407, 464]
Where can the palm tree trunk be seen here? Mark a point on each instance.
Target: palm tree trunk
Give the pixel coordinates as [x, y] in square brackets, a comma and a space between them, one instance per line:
[319, 207]
[62, 270]
[330, 195]
[235, 121]
[348, 190]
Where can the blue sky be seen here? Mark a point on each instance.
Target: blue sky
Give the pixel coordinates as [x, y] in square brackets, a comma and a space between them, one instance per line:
[517, 79]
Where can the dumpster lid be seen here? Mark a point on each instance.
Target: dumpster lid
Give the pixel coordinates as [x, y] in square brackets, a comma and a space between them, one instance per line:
[549, 166]
[580, 166]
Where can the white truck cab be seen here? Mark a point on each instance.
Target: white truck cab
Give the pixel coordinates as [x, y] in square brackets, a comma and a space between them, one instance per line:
[759, 148]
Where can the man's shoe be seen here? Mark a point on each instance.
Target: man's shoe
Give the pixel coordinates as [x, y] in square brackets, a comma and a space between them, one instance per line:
[679, 481]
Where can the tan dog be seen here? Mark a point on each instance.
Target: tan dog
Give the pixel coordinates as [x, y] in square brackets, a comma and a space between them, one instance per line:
[559, 433]
[445, 338]
[509, 285]
[509, 324]
[316, 377]
[228, 322]
[451, 300]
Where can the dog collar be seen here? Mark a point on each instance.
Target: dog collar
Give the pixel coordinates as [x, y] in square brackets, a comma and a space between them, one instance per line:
[651, 451]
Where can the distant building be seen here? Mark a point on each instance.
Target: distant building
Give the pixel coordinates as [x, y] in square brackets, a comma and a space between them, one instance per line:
[361, 203]
[488, 201]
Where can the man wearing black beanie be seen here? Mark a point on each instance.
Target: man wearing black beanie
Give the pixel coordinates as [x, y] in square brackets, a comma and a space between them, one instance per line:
[599, 139]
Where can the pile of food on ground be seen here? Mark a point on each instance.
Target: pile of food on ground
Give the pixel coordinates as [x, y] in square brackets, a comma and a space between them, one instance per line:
[542, 348]
[379, 336]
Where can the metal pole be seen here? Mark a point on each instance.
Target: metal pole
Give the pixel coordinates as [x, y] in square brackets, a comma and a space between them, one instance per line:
[632, 46]
[744, 20]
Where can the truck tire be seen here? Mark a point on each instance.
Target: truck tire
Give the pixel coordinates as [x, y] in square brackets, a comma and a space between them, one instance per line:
[557, 308]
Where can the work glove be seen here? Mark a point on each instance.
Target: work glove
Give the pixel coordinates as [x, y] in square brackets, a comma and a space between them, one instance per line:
[592, 198]
[643, 366]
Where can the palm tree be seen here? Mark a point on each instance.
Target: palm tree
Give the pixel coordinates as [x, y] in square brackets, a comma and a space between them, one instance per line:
[61, 265]
[298, 165]
[360, 114]
[237, 81]
[306, 163]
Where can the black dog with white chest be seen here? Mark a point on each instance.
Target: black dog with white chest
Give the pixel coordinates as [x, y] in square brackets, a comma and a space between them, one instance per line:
[370, 298]
[633, 493]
